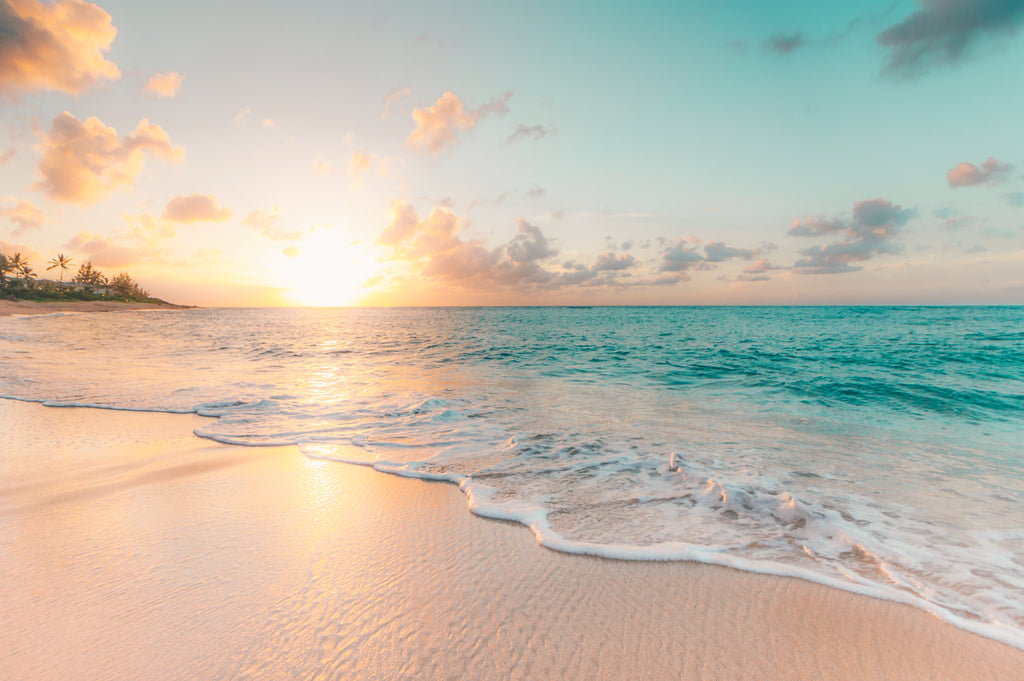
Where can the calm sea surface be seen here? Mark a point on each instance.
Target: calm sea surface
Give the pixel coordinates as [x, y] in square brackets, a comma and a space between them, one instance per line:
[875, 449]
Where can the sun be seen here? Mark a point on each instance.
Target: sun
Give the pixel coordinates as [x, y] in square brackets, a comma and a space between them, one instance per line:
[327, 272]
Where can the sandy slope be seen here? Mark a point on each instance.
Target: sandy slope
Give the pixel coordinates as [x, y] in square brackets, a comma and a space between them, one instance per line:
[28, 307]
[129, 549]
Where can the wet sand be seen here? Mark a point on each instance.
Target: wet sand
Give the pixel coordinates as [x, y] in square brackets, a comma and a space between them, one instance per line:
[29, 307]
[130, 549]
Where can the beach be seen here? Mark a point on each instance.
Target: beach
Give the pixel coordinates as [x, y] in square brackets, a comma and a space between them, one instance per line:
[29, 307]
[130, 548]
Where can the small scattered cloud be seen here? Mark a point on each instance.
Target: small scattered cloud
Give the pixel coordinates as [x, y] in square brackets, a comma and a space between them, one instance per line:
[393, 97]
[6, 156]
[529, 132]
[1015, 199]
[681, 257]
[870, 232]
[24, 214]
[360, 164]
[83, 161]
[965, 174]
[759, 271]
[268, 123]
[944, 32]
[196, 208]
[325, 168]
[717, 251]
[54, 46]
[265, 222]
[164, 85]
[104, 251]
[535, 192]
[612, 262]
[436, 125]
[785, 43]
[242, 117]
[292, 251]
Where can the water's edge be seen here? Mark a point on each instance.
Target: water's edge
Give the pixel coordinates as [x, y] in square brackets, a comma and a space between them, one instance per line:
[534, 518]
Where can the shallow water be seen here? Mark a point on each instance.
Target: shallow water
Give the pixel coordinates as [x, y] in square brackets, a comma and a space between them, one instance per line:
[874, 449]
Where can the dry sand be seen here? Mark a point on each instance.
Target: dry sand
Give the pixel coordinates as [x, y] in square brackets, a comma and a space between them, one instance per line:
[28, 307]
[130, 549]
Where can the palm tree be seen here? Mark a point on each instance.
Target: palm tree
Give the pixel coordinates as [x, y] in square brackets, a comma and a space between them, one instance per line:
[62, 262]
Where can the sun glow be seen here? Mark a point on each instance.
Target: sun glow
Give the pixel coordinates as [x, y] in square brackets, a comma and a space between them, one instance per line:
[327, 272]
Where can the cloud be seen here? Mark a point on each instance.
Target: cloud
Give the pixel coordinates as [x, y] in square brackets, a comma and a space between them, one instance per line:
[716, 251]
[943, 32]
[196, 208]
[6, 156]
[84, 161]
[1015, 199]
[24, 214]
[535, 192]
[783, 43]
[680, 257]
[103, 251]
[54, 47]
[393, 97]
[436, 125]
[610, 262]
[815, 226]
[436, 251]
[268, 123]
[265, 222]
[7, 248]
[965, 174]
[325, 168]
[529, 132]
[871, 232]
[243, 115]
[758, 271]
[292, 251]
[164, 85]
[359, 164]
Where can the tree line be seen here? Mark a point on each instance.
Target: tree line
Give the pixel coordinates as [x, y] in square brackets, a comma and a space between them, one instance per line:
[19, 280]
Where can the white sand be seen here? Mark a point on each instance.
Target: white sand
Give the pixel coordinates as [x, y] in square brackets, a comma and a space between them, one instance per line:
[130, 549]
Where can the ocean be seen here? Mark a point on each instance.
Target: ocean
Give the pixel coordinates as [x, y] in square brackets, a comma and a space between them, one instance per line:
[874, 449]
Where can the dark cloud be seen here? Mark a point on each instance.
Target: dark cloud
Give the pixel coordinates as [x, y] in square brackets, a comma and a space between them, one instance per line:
[529, 132]
[611, 262]
[784, 43]
[871, 232]
[680, 258]
[944, 32]
[716, 251]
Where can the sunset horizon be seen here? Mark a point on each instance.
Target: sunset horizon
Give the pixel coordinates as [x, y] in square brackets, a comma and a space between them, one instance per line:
[658, 154]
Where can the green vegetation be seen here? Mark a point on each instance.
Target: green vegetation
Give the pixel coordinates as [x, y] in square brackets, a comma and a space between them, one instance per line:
[18, 281]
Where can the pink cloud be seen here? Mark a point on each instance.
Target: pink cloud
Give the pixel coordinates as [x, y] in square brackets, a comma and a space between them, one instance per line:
[436, 125]
[54, 46]
[84, 161]
[24, 214]
[164, 85]
[967, 174]
[196, 208]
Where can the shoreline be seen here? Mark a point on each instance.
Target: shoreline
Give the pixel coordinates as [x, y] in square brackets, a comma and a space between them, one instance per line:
[31, 308]
[132, 548]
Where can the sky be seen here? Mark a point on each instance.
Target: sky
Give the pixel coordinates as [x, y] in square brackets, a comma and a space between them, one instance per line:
[482, 153]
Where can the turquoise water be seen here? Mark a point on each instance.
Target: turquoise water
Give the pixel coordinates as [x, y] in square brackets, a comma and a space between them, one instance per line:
[879, 450]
